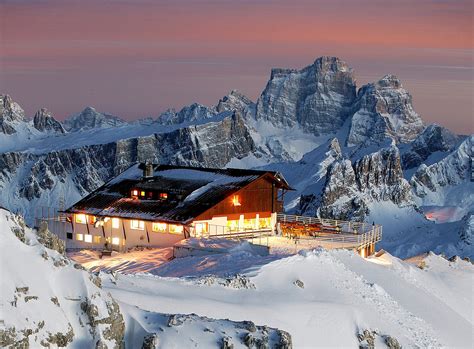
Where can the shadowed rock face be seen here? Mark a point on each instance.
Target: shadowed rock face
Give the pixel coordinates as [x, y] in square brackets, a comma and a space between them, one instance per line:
[384, 109]
[10, 114]
[318, 97]
[433, 139]
[44, 121]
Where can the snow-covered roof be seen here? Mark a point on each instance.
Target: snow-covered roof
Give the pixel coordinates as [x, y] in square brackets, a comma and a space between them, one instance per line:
[191, 191]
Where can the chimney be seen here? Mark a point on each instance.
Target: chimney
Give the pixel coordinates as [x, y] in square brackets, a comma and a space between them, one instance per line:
[148, 170]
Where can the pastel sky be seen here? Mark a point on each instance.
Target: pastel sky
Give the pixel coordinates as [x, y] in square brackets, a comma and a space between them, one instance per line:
[138, 58]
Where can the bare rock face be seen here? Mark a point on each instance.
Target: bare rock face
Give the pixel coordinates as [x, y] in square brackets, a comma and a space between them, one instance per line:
[318, 97]
[44, 121]
[351, 187]
[384, 109]
[10, 115]
[433, 139]
[89, 118]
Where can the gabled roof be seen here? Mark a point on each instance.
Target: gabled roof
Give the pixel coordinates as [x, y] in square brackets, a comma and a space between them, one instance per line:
[193, 190]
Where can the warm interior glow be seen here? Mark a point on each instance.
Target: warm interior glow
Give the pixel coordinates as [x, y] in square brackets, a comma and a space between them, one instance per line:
[87, 238]
[139, 225]
[79, 237]
[164, 196]
[115, 241]
[176, 229]
[159, 227]
[142, 193]
[236, 200]
[115, 223]
[134, 193]
[81, 218]
[97, 239]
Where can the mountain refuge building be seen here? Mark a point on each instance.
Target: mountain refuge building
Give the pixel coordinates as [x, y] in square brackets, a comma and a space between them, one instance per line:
[159, 205]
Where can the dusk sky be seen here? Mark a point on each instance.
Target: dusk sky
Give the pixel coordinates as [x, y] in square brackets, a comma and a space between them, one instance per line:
[138, 58]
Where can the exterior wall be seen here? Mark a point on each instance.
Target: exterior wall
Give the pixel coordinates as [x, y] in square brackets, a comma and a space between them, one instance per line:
[258, 196]
[119, 238]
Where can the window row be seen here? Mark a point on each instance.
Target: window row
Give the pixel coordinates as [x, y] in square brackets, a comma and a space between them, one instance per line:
[134, 224]
[149, 195]
[89, 238]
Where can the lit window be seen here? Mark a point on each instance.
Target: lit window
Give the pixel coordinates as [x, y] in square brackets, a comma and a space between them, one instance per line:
[134, 193]
[164, 196]
[81, 218]
[97, 239]
[87, 238]
[236, 200]
[115, 223]
[92, 219]
[139, 225]
[159, 227]
[79, 237]
[115, 241]
[176, 229]
[142, 193]
[200, 228]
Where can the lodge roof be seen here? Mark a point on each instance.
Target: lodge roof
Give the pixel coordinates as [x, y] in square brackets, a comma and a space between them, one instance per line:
[192, 190]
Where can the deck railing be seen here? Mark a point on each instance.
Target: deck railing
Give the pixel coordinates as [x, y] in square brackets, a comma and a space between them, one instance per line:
[359, 234]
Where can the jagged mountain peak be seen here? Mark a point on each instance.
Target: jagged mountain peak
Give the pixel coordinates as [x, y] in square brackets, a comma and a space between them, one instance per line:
[389, 81]
[384, 110]
[317, 98]
[235, 101]
[90, 118]
[190, 113]
[45, 121]
[10, 114]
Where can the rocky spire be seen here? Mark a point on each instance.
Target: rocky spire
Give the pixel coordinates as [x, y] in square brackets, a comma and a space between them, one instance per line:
[44, 121]
[10, 114]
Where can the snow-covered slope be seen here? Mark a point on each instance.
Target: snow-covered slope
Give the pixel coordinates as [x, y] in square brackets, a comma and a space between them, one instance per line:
[322, 298]
[46, 300]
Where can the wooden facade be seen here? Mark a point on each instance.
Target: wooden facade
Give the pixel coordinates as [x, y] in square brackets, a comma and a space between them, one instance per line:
[260, 196]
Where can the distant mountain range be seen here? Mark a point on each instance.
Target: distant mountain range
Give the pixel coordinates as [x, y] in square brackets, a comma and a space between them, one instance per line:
[350, 153]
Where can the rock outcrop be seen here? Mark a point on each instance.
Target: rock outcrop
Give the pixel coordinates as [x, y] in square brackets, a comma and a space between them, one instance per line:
[235, 101]
[89, 118]
[384, 109]
[433, 139]
[436, 184]
[44, 121]
[11, 114]
[319, 97]
[351, 187]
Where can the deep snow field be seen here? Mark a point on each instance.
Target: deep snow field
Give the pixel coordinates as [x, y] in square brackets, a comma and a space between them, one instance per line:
[321, 298]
